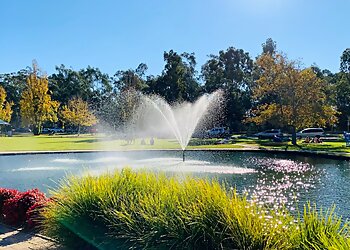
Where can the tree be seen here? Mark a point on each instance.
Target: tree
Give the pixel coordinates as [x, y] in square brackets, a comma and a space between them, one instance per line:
[178, 80]
[124, 80]
[345, 61]
[5, 107]
[77, 113]
[288, 96]
[230, 71]
[342, 93]
[14, 84]
[36, 104]
[269, 47]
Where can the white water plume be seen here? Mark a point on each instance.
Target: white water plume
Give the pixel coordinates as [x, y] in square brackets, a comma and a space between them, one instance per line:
[157, 116]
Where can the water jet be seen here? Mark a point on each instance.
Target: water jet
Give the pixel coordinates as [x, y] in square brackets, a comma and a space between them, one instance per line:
[179, 120]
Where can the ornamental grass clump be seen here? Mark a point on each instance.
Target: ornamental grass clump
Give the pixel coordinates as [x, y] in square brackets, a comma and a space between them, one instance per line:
[147, 210]
[323, 230]
[130, 209]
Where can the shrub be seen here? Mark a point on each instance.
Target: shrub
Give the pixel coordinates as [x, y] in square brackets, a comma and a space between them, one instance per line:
[6, 194]
[15, 208]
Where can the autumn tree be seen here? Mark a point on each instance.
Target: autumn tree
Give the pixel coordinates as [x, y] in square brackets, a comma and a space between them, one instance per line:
[286, 95]
[36, 106]
[77, 113]
[5, 106]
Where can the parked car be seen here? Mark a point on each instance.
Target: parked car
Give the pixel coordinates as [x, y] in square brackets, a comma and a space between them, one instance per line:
[23, 130]
[269, 134]
[52, 130]
[57, 130]
[218, 132]
[310, 132]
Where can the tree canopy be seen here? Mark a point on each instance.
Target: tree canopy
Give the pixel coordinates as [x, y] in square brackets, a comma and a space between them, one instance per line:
[286, 95]
[77, 113]
[5, 106]
[268, 91]
[36, 104]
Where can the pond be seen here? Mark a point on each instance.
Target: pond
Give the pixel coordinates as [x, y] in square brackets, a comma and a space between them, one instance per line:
[273, 179]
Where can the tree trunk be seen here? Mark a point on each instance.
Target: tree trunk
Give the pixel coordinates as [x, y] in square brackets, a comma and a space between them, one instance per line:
[78, 130]
[294, 136]
[37, 129]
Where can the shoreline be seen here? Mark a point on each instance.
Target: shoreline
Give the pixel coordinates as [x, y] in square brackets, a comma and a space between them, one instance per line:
[318, 153]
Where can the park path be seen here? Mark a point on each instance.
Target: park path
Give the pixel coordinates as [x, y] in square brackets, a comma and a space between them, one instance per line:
[17, 239]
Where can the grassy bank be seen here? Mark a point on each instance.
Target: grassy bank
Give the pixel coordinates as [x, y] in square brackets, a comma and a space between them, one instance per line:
[103, 142]
[92, 142]
[143, 210]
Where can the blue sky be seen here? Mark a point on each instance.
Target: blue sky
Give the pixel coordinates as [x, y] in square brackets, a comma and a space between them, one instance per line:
[114, 35]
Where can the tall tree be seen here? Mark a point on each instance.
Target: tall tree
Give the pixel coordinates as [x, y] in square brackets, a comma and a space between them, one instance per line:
[230, 71]
[345, 61]
[291, 96]
[36, 104]
[269, 47]
[14, 84]
[178, 80]
[342, 93]
[77, 113]
[125, 80]
[5, 106]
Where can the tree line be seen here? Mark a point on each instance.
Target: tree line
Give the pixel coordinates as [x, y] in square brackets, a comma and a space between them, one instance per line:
[270, 90]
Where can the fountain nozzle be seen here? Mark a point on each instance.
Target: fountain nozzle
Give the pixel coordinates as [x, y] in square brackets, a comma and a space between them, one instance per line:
[183, 155]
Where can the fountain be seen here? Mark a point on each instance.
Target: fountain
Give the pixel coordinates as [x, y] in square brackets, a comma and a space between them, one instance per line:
[181, 119]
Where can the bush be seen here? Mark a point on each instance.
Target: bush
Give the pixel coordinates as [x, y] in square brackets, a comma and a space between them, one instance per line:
[15, 209]
[6, 194]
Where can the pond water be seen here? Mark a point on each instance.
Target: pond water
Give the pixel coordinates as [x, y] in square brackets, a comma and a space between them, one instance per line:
[271, 179]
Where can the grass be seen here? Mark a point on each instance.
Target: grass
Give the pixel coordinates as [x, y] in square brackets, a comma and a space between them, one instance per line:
[141, 210]
[101, 142]
[90, 142]
[73, 142]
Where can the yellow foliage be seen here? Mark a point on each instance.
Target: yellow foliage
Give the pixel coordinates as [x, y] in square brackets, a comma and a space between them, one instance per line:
[77, 113]
[5, 107]
[36, 104]
[289, 96]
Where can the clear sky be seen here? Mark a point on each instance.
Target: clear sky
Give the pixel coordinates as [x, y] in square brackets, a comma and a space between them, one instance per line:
[118, 35]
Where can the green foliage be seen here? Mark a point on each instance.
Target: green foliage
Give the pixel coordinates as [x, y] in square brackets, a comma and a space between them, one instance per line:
[147, 210]
[178, 80]
[323, 230]
[14, 84]
[345, 61]
[230, 71]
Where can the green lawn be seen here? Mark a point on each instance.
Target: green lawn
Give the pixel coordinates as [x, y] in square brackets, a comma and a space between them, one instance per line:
[101, 142]
[73, 142]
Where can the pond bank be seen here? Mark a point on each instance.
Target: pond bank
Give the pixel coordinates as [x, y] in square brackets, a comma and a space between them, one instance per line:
[247, 148]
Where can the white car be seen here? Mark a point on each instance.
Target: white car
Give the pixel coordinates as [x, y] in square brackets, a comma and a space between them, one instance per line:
[269, 134]
[310, 132]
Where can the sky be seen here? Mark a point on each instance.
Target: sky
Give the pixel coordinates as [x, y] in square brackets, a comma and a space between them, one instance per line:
[119, 35]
